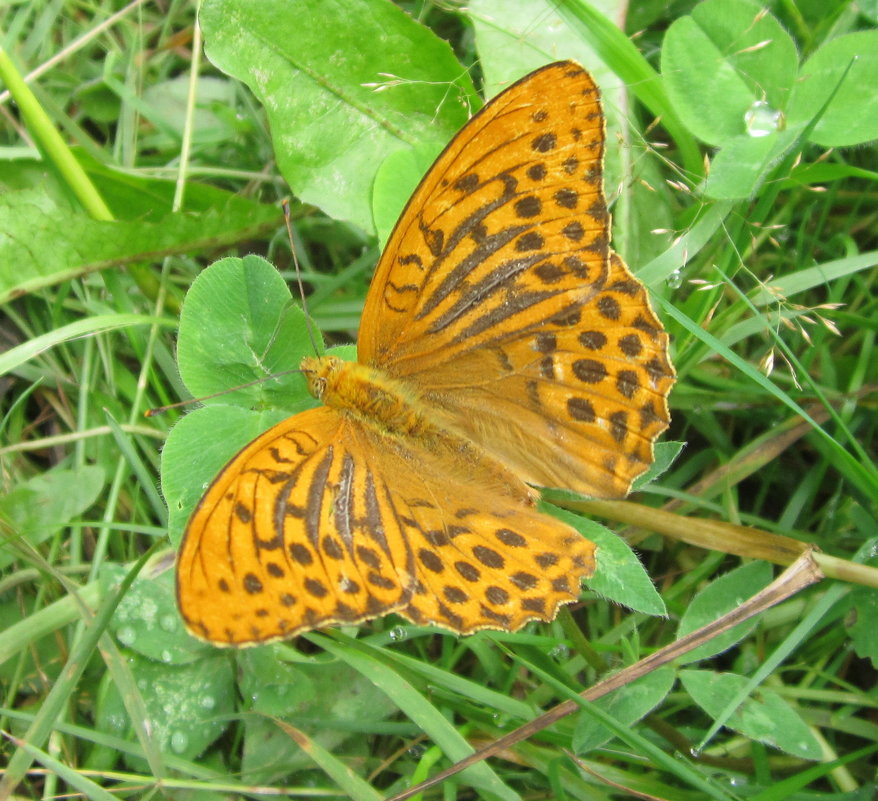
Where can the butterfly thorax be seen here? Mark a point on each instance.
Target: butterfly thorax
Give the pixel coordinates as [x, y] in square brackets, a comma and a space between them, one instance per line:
[384, 404]
[369, 395]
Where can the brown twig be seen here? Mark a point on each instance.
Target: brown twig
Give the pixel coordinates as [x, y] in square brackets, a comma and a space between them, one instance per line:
[802, 573]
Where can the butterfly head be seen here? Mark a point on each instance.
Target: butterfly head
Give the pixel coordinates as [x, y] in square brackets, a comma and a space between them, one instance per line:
[319, 373]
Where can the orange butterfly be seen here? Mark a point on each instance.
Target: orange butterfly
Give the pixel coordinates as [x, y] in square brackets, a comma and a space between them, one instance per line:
[502, 345]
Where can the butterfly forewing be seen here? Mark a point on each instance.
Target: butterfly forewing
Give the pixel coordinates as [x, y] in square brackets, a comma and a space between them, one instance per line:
[321, 521]
[292, 535]
[507, 229]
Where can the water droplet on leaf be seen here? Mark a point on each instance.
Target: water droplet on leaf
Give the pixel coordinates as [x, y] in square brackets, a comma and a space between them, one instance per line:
[126, 635]
[179, 742]
[762, 120]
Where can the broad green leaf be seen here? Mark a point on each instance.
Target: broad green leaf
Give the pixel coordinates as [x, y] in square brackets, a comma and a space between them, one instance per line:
[765, 716]
[665, 454]
[38, 507]
[510, 45]
[389, 83]
[330, 702]
[718, 62]
[168, 100]
[627, 705]
[739, 168]
[188, 706]
[239, 324]
[147, 621]
[852, 115]
[43, 240]
[619, 576]
[718, 598]
[756, 45]
[395, 182]
[198, 447]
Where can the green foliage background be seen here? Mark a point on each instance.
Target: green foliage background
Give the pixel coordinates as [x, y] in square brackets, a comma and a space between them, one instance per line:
[741, 169]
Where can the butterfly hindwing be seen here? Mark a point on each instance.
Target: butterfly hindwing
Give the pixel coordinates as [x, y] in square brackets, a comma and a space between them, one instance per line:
[483, 556]
[494, 566]
[576, 403]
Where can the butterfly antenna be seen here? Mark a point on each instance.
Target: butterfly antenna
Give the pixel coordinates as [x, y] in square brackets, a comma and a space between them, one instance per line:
[162, 409]
[286, 207]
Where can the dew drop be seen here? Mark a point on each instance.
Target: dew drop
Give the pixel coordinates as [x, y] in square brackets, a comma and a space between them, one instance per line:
[166, 656]
[179, 742]
[675, 279]
[560, 651]
[168, 622]
[148, 611]
[207, 702]
[116, 723]
[397, 634]
[761, 119]
[126, 635]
